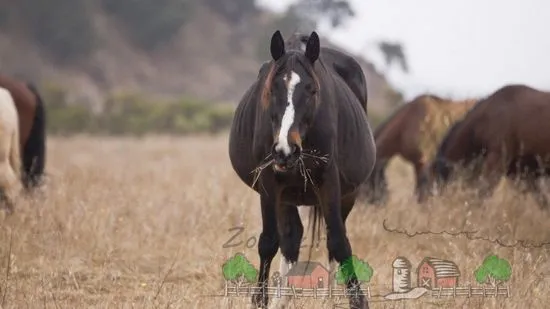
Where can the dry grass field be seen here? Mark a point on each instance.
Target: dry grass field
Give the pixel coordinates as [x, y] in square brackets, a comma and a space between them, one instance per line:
[140, 223]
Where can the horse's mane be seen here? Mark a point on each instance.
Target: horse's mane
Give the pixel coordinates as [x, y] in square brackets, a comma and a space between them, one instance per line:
[445, 141]
[455, 126]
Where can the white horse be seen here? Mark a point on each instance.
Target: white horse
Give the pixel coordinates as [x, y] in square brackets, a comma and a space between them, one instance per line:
[10, 160]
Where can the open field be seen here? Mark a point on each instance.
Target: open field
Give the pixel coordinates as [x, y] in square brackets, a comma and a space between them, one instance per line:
[128, 223]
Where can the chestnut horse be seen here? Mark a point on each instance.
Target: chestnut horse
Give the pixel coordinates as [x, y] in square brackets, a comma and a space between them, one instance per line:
[32, 128]
[10, 161]
[414, 132]
[505, 134]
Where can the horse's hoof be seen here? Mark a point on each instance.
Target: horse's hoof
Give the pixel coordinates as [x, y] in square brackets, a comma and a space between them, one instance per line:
[259, 301]
[358, 303]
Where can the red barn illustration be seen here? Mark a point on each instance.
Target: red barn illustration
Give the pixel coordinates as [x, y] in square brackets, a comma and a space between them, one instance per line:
[437, 273]
[308, 275]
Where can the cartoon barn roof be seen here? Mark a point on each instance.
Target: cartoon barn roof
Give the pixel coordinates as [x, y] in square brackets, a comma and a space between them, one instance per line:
[304, 268]
[442, 268]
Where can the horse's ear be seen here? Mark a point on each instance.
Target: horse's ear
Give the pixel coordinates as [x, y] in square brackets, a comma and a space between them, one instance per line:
[277, 45]
[313, 47]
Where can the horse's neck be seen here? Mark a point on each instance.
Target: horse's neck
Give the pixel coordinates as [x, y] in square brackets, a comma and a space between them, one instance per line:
[462, 145]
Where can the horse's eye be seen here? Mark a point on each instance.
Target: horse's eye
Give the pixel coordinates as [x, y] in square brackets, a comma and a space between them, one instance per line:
[311, 89]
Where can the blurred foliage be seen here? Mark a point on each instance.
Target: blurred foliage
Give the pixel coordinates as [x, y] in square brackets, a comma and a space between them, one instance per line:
[233, 11]
[393, 97]
[150, 23]
[313, 12]
[65, 29]
[62, 27]
[375, 119]
[134, 114]
[286, 23]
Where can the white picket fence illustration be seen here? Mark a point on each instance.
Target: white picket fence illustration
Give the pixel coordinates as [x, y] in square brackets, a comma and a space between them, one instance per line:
[278, 291]
[247, 290]
[470, 291]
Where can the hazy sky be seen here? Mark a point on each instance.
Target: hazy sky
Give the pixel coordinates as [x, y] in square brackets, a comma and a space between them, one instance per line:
[454, 47]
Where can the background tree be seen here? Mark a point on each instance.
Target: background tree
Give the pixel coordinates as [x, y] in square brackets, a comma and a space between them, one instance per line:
[304, 16]
[493, 271]
[354, 267]
[336, 11]
[233, 11]
[394, 52]
[238, 270]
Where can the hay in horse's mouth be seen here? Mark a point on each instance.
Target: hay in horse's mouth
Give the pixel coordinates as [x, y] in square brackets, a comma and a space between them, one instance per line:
[283, 167]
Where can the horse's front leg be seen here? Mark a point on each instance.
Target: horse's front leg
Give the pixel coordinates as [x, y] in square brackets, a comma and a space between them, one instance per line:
[493, 169]
[291, 230]
[268, 244]
[338, 244]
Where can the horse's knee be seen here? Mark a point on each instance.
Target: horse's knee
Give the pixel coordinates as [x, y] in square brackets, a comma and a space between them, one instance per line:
[339, 248]
[268, 245]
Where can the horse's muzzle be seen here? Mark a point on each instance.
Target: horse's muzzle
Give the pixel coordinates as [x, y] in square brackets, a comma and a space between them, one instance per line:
[283, 162]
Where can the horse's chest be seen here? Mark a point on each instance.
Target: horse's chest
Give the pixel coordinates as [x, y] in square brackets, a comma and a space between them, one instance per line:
[296, 195]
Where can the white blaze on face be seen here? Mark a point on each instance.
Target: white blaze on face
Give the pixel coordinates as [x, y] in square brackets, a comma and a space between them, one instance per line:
[288, 116]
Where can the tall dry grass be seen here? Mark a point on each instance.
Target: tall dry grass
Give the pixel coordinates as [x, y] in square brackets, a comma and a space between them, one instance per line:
[128, 223]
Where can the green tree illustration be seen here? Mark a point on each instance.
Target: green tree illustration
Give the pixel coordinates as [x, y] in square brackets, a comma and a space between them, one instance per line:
[238, 269]
[493, 271]
[354, 267]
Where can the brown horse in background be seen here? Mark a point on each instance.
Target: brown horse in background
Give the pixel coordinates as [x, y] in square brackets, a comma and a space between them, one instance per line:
[32, 128]
[505, 134]
[414, 132]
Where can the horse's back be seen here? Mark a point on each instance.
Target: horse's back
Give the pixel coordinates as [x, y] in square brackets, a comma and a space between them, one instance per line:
[350, 71]
[511, 116]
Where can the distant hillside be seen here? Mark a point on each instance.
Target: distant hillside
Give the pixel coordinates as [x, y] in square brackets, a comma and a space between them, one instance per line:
[211, 56]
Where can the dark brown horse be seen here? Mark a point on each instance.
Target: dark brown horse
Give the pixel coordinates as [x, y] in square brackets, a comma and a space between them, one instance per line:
[32, 128]
[414, 131]
[505, 134]
[300, 137]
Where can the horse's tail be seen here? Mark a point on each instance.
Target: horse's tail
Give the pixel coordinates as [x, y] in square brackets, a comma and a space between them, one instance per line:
[34, 151]
[314, 222]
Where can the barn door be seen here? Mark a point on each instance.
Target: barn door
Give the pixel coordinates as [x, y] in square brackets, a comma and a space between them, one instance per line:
[320, 283]
[426, 282]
